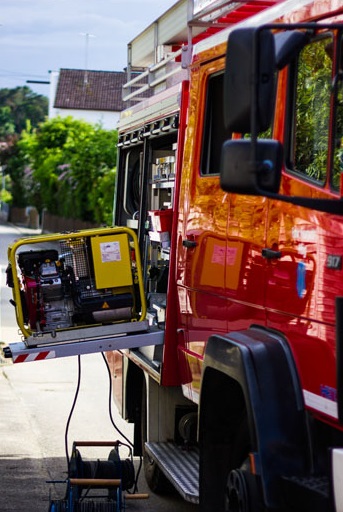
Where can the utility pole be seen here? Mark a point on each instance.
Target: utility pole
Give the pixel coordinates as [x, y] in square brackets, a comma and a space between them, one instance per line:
[87, 36]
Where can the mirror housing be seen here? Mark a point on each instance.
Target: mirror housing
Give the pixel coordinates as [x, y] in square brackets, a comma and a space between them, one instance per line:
[242, 174]
[287, 46]
[249, 81]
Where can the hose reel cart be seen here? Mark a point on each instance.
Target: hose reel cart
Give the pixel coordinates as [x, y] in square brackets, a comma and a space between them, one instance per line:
[97, 485]
[77, 286]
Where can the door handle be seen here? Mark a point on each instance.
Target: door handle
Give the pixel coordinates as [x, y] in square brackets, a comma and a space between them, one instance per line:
[189, 244]
[270, 254]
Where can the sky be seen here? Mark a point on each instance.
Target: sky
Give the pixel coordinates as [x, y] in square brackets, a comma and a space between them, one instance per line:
[38, 36]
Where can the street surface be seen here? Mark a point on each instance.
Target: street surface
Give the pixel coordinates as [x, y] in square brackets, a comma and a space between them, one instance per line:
[35, 403]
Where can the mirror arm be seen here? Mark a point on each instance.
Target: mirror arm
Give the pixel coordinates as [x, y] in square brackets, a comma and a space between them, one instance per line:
[254, 96]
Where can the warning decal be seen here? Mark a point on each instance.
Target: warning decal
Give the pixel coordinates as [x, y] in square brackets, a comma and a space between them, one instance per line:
[36, 356]
[110, 251]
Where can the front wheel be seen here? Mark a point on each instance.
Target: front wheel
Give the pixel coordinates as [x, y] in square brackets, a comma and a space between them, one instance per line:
[242, 492]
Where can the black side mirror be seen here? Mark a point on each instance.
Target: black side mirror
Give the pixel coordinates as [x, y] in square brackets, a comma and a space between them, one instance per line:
[249, 82]
[243, 175]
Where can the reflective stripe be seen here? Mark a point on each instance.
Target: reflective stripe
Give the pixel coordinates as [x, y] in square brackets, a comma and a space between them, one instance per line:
[39, 356]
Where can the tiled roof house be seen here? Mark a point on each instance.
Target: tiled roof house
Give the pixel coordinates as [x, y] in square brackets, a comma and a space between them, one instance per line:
[95, 96]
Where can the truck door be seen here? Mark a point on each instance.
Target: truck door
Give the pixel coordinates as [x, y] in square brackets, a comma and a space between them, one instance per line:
[304, 257]
[220, 268]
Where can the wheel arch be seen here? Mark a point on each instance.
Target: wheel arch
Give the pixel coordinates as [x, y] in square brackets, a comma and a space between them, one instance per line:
[250, 373]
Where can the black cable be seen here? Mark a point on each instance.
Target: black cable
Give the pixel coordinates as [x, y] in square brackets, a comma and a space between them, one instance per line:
[130, 445]
[114, 424]
[93, 475]
[72, 411]
[110, 402]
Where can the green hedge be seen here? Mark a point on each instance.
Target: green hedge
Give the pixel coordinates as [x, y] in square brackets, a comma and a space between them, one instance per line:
[66, 166]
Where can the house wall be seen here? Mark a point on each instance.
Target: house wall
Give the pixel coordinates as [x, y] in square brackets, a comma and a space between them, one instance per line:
[108, 120]
[52, 92]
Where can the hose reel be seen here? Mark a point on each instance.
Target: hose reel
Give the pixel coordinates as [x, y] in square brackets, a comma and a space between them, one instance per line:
[111, 469]
[86, 476]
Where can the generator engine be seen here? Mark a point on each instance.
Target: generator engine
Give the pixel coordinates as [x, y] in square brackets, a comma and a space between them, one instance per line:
[59, 289]
[49, 290]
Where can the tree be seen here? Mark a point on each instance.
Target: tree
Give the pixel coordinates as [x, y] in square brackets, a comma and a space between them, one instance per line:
[12, 160]
[19, 106]
[68, 167]
[6, 122]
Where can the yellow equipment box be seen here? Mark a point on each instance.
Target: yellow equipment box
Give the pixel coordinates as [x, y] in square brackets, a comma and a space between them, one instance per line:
[112, 262]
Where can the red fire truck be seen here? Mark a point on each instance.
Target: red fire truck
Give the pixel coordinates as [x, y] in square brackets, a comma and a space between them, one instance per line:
[229, 173]
[242, 256]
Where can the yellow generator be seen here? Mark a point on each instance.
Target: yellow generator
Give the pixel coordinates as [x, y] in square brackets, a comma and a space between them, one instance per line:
[76, 286]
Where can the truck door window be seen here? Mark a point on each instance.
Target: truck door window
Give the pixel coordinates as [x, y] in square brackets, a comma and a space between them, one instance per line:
[214, 133]
[338, 120]
[309, 150]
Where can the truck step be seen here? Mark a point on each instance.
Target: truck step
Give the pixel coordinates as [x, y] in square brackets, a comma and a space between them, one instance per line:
[307, 493]
[180, 465]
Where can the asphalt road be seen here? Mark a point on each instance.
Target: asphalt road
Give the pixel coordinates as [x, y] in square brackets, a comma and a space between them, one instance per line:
[35, 403]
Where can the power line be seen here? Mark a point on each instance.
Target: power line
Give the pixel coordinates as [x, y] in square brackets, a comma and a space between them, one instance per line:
[16, 74]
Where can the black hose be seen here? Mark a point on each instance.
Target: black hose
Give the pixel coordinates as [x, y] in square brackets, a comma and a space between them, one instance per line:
[72, 411]
[129, 444]
[115, 426]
